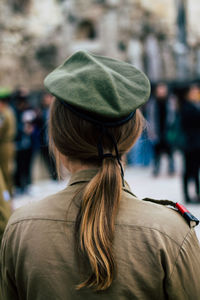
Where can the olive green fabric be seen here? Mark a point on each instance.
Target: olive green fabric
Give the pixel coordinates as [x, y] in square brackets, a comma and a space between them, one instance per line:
[4, 93]
[157, 253]
[5, 209]
[100, 85]
[7, 148]
[7, 125]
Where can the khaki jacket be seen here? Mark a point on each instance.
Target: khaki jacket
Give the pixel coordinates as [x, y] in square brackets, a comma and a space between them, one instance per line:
[7, 126]
[5, 208]
[7, 134]
[157, 253]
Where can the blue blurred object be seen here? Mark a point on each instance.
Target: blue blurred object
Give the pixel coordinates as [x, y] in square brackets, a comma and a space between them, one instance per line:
[142, 152]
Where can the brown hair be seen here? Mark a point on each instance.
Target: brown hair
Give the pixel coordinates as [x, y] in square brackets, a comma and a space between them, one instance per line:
[77, 139]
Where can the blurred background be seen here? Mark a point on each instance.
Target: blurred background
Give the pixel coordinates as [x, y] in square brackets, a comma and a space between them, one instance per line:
[160, 37]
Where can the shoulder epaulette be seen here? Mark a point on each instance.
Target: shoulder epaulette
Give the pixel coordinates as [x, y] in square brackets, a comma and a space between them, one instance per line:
[191, 220]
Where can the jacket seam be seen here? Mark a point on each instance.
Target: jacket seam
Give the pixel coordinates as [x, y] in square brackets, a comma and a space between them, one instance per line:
[179, 252]
[122, 225]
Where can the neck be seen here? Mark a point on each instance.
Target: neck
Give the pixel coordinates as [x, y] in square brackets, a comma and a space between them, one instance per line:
[75, 166]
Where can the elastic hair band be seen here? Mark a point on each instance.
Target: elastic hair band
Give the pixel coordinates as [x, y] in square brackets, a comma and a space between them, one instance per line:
[104, 131]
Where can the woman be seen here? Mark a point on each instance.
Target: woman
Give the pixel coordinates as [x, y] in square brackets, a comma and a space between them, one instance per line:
[190, 123]
[5, 209]
[95, 239]
[7, 135]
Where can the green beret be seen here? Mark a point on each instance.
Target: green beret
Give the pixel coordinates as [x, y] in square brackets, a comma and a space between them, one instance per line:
[5, 93]
[99, 85]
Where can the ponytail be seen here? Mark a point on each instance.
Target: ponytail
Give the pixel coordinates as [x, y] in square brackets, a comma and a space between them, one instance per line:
[96, 224]
[77, 140]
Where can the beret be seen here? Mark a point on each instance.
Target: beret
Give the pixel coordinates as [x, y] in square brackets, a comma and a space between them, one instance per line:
[98, 85]
[5, 93]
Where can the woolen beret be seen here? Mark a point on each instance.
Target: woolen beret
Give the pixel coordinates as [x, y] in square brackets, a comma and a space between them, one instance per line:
[98, 85]
[5, 93]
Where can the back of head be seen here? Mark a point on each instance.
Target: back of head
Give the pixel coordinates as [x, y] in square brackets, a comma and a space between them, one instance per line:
[95, 122]
[77, 140]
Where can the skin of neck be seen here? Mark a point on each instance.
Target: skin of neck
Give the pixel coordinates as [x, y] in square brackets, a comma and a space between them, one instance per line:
[75, 166]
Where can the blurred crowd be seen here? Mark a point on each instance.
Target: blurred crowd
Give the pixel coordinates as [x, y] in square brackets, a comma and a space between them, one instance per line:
[23, 135]
[172, 124]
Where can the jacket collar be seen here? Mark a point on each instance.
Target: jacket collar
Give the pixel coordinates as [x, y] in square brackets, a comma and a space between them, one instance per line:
[84, 176]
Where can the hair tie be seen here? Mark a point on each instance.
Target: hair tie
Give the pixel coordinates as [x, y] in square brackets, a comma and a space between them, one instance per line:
[104, 131]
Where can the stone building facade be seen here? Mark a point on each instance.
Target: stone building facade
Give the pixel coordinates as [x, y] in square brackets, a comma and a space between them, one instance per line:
[157, 36]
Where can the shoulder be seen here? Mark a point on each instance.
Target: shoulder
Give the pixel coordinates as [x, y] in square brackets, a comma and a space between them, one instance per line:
[152, 218]
[53, 207]
[10, 113]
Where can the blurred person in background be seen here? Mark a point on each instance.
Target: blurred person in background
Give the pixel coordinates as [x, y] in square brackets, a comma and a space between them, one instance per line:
[25, 142]
[142, 152]
[190, 123]
[161, 116]
[7, 135]
[5, 209]
[44, 138]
